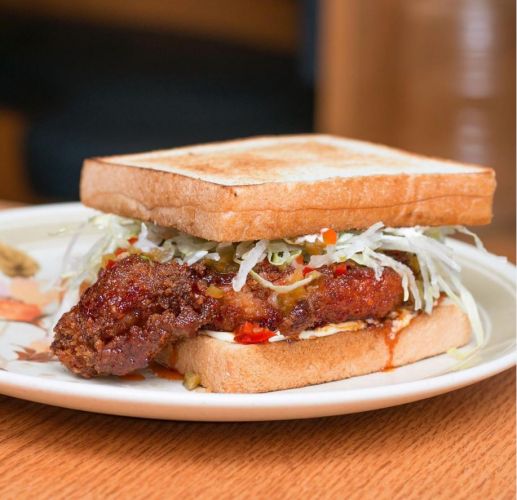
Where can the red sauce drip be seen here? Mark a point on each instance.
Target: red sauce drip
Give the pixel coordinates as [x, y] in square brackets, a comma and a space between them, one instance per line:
[136, 377]
[391, 340]
[173, 356]
[166, 373]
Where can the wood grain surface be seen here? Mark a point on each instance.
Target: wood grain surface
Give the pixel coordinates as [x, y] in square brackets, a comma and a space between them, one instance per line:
[458, 445]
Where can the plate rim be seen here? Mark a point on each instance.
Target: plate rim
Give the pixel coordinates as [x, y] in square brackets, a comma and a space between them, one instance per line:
[276, 399]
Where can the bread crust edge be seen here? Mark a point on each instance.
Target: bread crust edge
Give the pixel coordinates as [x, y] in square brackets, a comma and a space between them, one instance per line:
[276, 210]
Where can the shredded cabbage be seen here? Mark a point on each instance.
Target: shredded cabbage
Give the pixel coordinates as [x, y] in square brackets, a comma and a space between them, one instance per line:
[432, 273]
[249, 260]
[284, 288]
[281, 252]
[116, 231]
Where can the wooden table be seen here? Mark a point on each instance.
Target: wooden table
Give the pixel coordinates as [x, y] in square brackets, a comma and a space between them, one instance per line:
[458, 445]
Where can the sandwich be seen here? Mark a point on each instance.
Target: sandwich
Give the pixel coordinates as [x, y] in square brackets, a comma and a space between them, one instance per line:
[272, 263]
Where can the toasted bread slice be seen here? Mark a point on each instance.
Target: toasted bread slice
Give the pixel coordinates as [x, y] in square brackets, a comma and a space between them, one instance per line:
[274, 187]
[228, 367]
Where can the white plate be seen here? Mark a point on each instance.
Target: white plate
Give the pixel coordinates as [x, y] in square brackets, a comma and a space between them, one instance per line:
[491, 281]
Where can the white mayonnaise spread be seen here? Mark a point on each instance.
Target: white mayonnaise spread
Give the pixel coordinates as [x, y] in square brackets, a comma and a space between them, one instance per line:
[399, 320]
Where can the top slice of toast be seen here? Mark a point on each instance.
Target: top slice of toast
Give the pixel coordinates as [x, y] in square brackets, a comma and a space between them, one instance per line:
[278, 186]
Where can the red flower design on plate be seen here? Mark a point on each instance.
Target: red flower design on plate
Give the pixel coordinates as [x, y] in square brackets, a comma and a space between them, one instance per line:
[16, 310]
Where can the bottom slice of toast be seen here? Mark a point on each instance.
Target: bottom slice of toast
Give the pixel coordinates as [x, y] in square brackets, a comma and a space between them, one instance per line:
[228, 367]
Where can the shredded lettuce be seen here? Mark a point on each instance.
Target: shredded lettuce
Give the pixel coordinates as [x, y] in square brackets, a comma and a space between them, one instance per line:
[434, 271]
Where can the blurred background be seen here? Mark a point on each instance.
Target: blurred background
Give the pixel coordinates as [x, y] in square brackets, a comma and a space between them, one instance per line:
[98, 77]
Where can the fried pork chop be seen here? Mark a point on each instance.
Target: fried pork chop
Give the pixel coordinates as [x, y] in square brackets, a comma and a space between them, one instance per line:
[137, 307]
